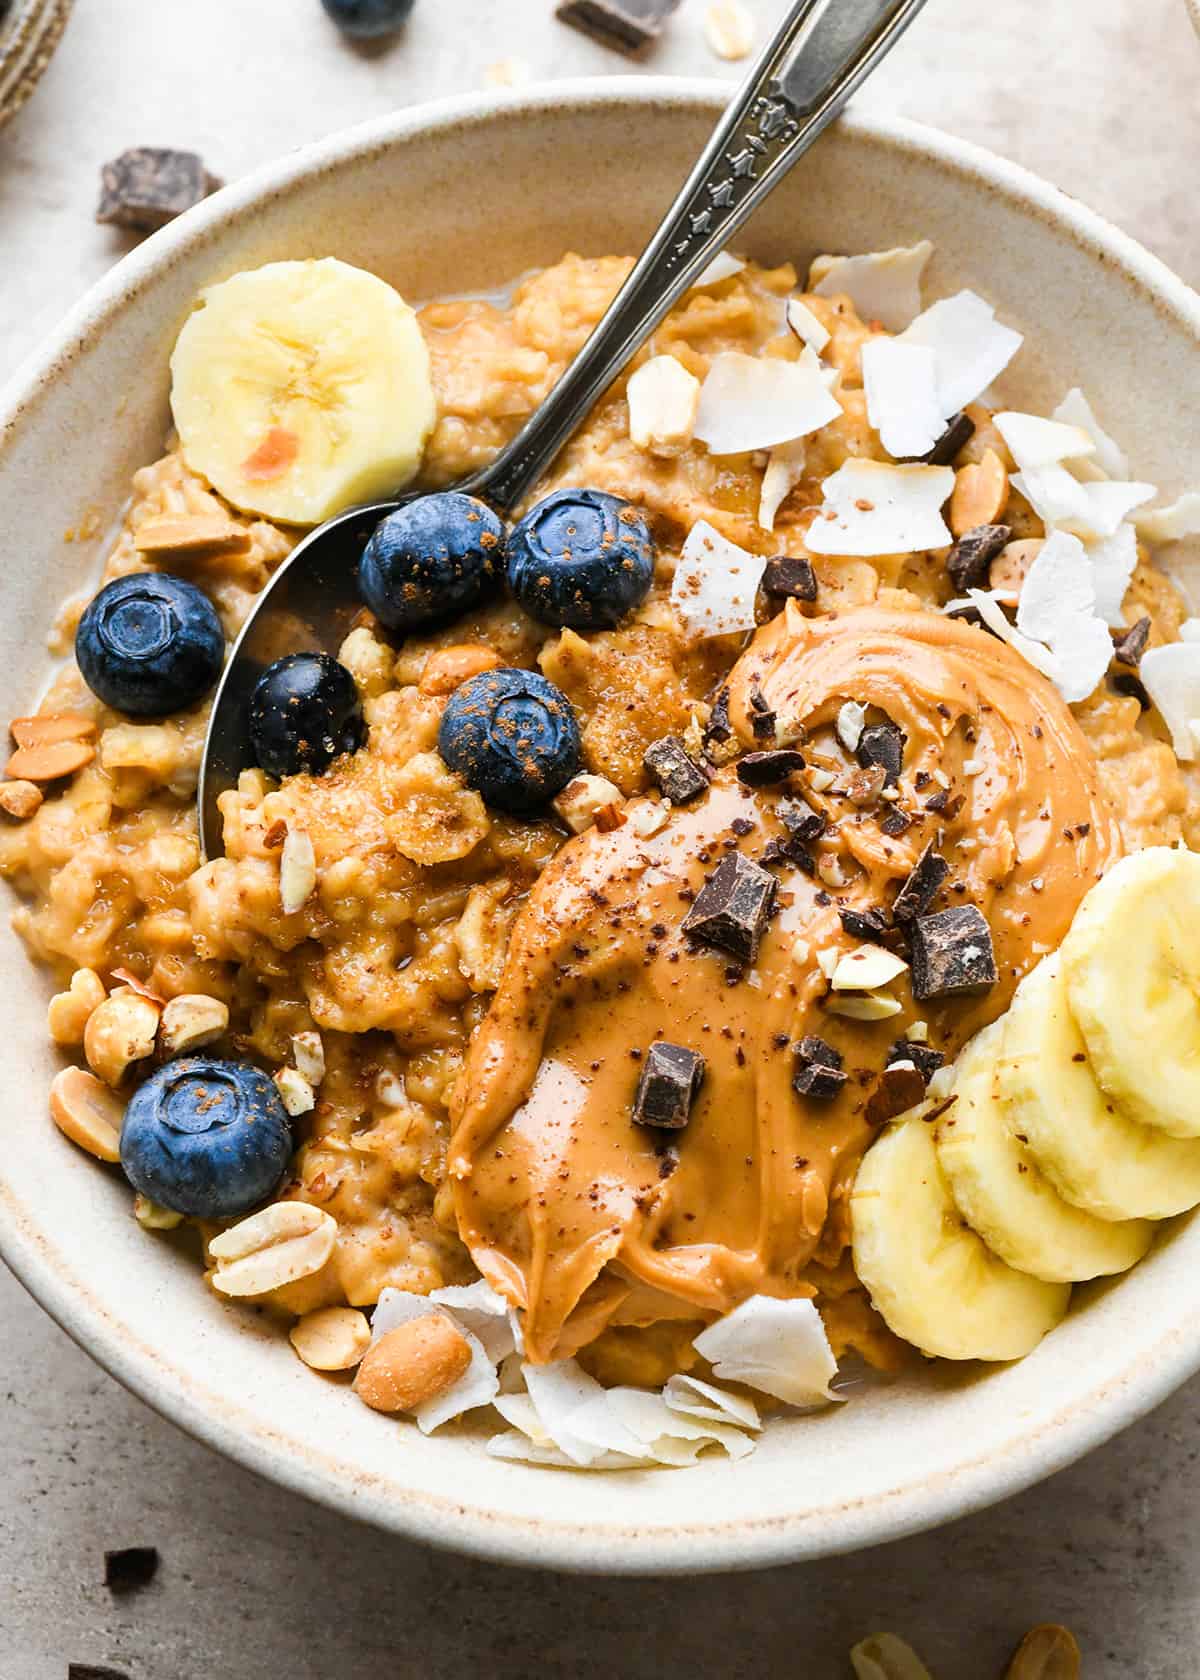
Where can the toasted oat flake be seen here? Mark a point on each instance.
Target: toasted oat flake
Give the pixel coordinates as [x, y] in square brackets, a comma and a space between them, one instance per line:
[883, 286]
[752, 402]
[297, 870]
[729, 29]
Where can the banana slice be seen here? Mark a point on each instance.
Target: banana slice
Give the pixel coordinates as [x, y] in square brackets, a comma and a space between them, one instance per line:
[1132, 968]
[935, 1282]
[1092, 1153]
[302, 388]
[1000, 1193]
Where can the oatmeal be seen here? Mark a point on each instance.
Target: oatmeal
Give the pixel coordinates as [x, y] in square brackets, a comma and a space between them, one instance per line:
[580, 940]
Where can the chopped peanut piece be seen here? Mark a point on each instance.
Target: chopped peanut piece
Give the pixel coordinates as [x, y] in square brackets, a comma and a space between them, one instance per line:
[46, 729]
[333, 1339]
[1011, 566]
[48, 763]
[297, 870]
[295, 1091]
[308, 1053]
[20, 799]
[412, 1363]
[980, 494]
[582, 800]
[191, 1020]
[286, 1241]
[450, 667]
[68, 1012]
[87, 1112]
[191, 534]
[120, 1031]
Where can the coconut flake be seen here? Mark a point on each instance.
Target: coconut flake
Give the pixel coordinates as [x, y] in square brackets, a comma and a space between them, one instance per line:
[971, 346]
[1076, 410]
[478, 1385]
[871, 508]
[693, 1398]
[1057, 629]
[752, 402]
[1114, 560]
[900, 381]
[715, 583]
[723, 267]
[1180, 519]
[779, 1347]
[1034, 442]
[884, 286]
[866, 969]
[478, 1308]
[668, 1435]
[511, 1444]
[805, 325]
[1171, 677]
[785, 469]
[1091, 511]
[663, 398]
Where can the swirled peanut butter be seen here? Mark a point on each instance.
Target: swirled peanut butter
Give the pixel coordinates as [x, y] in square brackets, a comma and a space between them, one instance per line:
[585, 1219]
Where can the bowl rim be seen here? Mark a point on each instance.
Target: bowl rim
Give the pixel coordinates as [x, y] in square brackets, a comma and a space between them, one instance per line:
[1116, 1399]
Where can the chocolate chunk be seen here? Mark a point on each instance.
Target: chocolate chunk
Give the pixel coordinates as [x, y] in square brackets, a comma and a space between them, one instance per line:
[732, 907]
[674, 769]
[882, 744]
[1130, 645]
[818, 1069]
[762, 725]
[924, 1057]
[718, 729]
[969, 562]
[787, 574]
[960, 428]
[763, 769]
[922, 886]
[895, 823]
[801, 821]
[952, 954]
[625, 25]
[871, 925]
[669, 1084]
[148, 186]
[1128, 682]
[130, 1568]
[896, 1090]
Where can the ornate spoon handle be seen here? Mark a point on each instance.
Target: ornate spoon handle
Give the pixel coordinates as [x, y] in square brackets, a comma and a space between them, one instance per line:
[821, 52]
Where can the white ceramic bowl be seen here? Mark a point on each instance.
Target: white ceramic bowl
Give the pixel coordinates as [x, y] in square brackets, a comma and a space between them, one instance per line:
[464, 196]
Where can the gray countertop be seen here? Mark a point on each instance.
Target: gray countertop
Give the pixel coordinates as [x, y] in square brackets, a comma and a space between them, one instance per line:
[1101, 96]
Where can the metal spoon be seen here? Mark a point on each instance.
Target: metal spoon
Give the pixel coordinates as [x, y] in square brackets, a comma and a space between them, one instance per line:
[820, 54]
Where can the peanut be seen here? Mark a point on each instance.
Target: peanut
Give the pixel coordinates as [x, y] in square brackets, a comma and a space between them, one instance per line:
[119, 1031]
[46, 729]
[49, 762]
[69, 1011]
[980, 494]
[87, 1112]
[192, 534]
[1011, 566]
[286, 1241]
[190, 1020]
[297, 871]
[412, 1363]
[20, 799]
[333, 1339]
[1048, 1652]
[450, 667]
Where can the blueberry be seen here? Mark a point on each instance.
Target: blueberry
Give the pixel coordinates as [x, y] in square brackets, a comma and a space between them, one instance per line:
[206, 1137]
[432, 558]
[512, 736]
[304, 711]
[367, 19]
[149, 644]
[581, 558]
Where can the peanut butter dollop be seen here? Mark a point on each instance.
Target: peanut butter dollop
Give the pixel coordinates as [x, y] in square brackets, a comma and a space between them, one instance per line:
[584, 1219]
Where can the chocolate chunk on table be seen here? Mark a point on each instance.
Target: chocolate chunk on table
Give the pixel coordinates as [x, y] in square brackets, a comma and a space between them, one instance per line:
[130, 1568]
[882, 744]
[732, 907]
[94, 1671]
[674, 769]
[952, 954]
[625, 25]
[924, 1057]
[922, 886]
[669, 1084]
[763, 769]
[148, 186]
[789, 575]
[818, 1069]
[969, 562]
[897, 1089]
[1130, 645]
[960, 428]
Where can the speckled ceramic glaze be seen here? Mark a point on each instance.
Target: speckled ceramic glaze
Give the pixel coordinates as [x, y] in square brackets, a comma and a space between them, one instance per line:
[460, 197]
